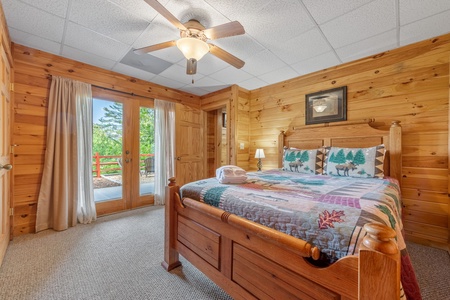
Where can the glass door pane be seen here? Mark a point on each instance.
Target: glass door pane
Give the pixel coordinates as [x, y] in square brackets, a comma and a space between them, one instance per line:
[107, 150]
[147, 150]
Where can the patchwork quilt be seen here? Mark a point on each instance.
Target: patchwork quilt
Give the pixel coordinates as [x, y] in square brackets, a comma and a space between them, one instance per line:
[326, 211]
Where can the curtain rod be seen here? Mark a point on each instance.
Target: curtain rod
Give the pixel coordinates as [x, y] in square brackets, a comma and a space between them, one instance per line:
[122, 92]
[113, 90]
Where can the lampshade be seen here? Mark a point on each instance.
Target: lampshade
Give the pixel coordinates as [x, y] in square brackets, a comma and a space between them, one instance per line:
[259, 153]
[192, 47]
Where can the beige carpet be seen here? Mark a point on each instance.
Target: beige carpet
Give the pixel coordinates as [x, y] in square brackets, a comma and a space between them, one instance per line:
[119, 257]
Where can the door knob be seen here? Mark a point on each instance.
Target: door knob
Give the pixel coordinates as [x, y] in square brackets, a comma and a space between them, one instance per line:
[178, 158]
[7, 167]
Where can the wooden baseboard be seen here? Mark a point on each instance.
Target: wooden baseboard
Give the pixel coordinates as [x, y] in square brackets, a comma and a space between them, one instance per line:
[428, 242]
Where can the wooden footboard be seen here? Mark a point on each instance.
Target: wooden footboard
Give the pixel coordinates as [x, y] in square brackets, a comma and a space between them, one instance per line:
[251, 261]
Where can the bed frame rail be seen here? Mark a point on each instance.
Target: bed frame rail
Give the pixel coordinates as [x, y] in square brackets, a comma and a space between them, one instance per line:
[250, 261]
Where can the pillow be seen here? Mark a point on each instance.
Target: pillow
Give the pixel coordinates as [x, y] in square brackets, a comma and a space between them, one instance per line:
[354, 162]
[231, 174]
[303, 161]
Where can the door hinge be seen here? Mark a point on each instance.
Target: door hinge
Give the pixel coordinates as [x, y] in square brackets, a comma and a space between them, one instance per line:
[11, 86]
[11, 211]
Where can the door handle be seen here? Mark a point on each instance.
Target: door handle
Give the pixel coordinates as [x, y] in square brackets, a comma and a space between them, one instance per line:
[7, 167]
[178, 158]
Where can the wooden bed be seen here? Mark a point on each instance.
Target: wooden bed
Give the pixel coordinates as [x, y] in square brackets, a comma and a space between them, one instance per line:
[251, 261]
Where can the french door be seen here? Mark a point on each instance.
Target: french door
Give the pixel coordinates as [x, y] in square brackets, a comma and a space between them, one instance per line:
[123, 152]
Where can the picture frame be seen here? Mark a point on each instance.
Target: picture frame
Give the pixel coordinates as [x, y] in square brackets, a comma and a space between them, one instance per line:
[326, 106]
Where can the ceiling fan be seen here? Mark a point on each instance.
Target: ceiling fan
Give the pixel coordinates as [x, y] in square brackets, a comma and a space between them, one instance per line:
[193, 39]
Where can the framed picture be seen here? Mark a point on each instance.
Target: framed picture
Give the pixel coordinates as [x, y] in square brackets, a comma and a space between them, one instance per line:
[326, 106]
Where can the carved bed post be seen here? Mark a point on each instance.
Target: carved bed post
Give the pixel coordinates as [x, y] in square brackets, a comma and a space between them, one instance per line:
[171, 257]
[280, 149]
[379, 264]
[395, 145]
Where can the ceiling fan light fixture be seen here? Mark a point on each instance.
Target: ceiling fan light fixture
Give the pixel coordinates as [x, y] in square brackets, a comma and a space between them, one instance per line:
[192, 47]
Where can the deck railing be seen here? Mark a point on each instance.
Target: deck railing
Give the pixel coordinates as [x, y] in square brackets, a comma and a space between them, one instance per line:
[109, 164]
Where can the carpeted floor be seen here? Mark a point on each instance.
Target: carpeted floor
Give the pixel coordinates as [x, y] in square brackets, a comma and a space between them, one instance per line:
[119, 256]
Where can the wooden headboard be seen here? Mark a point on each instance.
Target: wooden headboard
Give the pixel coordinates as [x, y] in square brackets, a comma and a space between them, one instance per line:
[349, 136]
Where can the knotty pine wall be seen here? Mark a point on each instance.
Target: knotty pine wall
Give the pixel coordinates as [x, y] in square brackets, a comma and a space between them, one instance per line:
[33, 69]
[410, 84]
[236, 102]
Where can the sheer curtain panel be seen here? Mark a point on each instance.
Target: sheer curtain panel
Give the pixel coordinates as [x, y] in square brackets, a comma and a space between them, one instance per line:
[62, 186]
[164, 147]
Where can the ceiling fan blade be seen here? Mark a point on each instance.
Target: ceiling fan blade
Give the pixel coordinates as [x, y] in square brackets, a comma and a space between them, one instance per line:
[165, 13]
[155, 47]
[224, 30]
[225, 56]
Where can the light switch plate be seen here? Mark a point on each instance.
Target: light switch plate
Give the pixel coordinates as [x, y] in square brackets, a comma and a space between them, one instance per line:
[241, 146]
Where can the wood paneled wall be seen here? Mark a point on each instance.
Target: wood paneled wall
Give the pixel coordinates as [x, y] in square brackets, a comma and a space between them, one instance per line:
[236, 102]
[410, 84]
[31, 88]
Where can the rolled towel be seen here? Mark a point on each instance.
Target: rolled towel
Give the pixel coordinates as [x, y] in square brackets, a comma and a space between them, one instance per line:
[231, 174]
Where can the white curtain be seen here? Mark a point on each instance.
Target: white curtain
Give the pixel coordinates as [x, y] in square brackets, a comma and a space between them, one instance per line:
[64, 176]
[164, 147]
[86, 212]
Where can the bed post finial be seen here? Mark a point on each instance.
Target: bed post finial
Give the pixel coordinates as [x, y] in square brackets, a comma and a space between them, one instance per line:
[395, 123]
[379, 264]
[395, 145]
[172, 181]
[379, 238]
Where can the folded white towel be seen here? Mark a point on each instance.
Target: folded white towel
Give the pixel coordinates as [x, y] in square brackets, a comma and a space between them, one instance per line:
[231, 174]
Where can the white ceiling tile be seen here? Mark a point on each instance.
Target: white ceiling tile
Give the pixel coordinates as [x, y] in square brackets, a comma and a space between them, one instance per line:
[24, 38]
[194, 90]
[252, 83]
[157, 32]
[172, 54]
[108, 19]
[32, 20]
[238, 10]
[279, 75]
[88, 58]
[207, 82]
[194, 9]
[262, 63]
[231, 75]
[425, 28]
[92, 42]
[138, 8]
[374, 18]
[304, 46]
[241, 46]
[316, 63]
[130, 71]
[414, 10]
[168, 82]
[325, 10]
[58, 8]
[178, 73]
[271, 26]
[373, 45]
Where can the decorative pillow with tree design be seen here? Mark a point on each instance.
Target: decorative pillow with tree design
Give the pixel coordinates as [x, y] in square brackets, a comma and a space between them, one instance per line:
[354, 162]
[303, 161]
